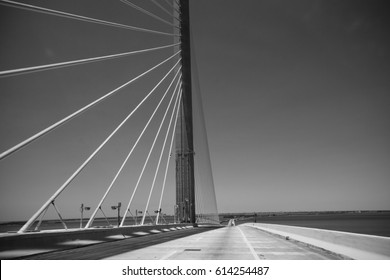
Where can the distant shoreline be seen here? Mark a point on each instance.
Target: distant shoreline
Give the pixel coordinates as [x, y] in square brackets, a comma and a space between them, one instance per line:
[303, 213]
[363, 222]
[372, 222]
[242, 214]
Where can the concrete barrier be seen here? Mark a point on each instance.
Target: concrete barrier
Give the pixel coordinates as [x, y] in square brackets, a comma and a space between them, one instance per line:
[49, 240]
[351, 245]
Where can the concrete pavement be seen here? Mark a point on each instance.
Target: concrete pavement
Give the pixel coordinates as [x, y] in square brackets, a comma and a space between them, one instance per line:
[228, 243]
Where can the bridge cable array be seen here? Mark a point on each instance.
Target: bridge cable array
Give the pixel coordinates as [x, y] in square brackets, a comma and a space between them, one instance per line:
[127, 2]
[80, 111]
[173, 106]
[130, 153]
[168, 160]
[79, 61]
[79, 17]
[161, 154]
[163, 9]
[82, 166]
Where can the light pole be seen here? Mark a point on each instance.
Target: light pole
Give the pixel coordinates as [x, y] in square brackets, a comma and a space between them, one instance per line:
[118, 207]
[82, 208]
[158, 213]
[136, 216]
[186, 211]
[175, 211]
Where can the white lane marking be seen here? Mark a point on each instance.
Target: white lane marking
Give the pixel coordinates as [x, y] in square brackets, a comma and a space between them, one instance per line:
[168, 255]
[141, 233]
[286, 253]
[80, 242]
[249, 245]
[119, 236]
[20, 253]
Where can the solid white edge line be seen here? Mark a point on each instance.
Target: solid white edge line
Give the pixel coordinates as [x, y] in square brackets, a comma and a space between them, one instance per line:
[249, 245]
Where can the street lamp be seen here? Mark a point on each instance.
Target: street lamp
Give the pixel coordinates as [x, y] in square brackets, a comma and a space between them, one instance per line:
[117, 207]
[175, 213]
[82, 208]
[158, 213]
[136, 215]
[186, 210]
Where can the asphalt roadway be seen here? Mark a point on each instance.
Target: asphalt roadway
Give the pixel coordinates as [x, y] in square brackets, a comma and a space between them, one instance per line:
[202, 243]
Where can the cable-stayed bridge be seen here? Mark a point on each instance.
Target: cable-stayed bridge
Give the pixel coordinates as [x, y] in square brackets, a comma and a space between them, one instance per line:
[104, 118]
[170, 119]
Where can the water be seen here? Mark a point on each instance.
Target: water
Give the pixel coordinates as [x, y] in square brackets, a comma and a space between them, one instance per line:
[372, 223]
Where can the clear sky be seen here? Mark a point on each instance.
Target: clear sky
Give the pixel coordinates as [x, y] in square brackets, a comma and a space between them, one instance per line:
[295, 94]
[296, 97]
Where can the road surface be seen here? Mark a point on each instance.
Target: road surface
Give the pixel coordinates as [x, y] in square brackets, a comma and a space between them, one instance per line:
[227, 243]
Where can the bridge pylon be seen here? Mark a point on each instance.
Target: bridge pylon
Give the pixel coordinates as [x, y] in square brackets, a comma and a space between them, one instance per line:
[185, 180]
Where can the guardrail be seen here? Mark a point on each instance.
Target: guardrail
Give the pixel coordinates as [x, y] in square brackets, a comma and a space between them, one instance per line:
[51, 240]
[351, 245]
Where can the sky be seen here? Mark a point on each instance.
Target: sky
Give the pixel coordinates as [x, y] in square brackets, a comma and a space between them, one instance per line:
[295, 97]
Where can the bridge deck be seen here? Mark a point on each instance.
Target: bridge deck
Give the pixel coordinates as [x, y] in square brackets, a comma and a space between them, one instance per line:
[229, 243]
[202, 243]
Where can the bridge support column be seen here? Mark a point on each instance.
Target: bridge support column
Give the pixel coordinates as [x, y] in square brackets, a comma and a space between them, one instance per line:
[185, 181]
